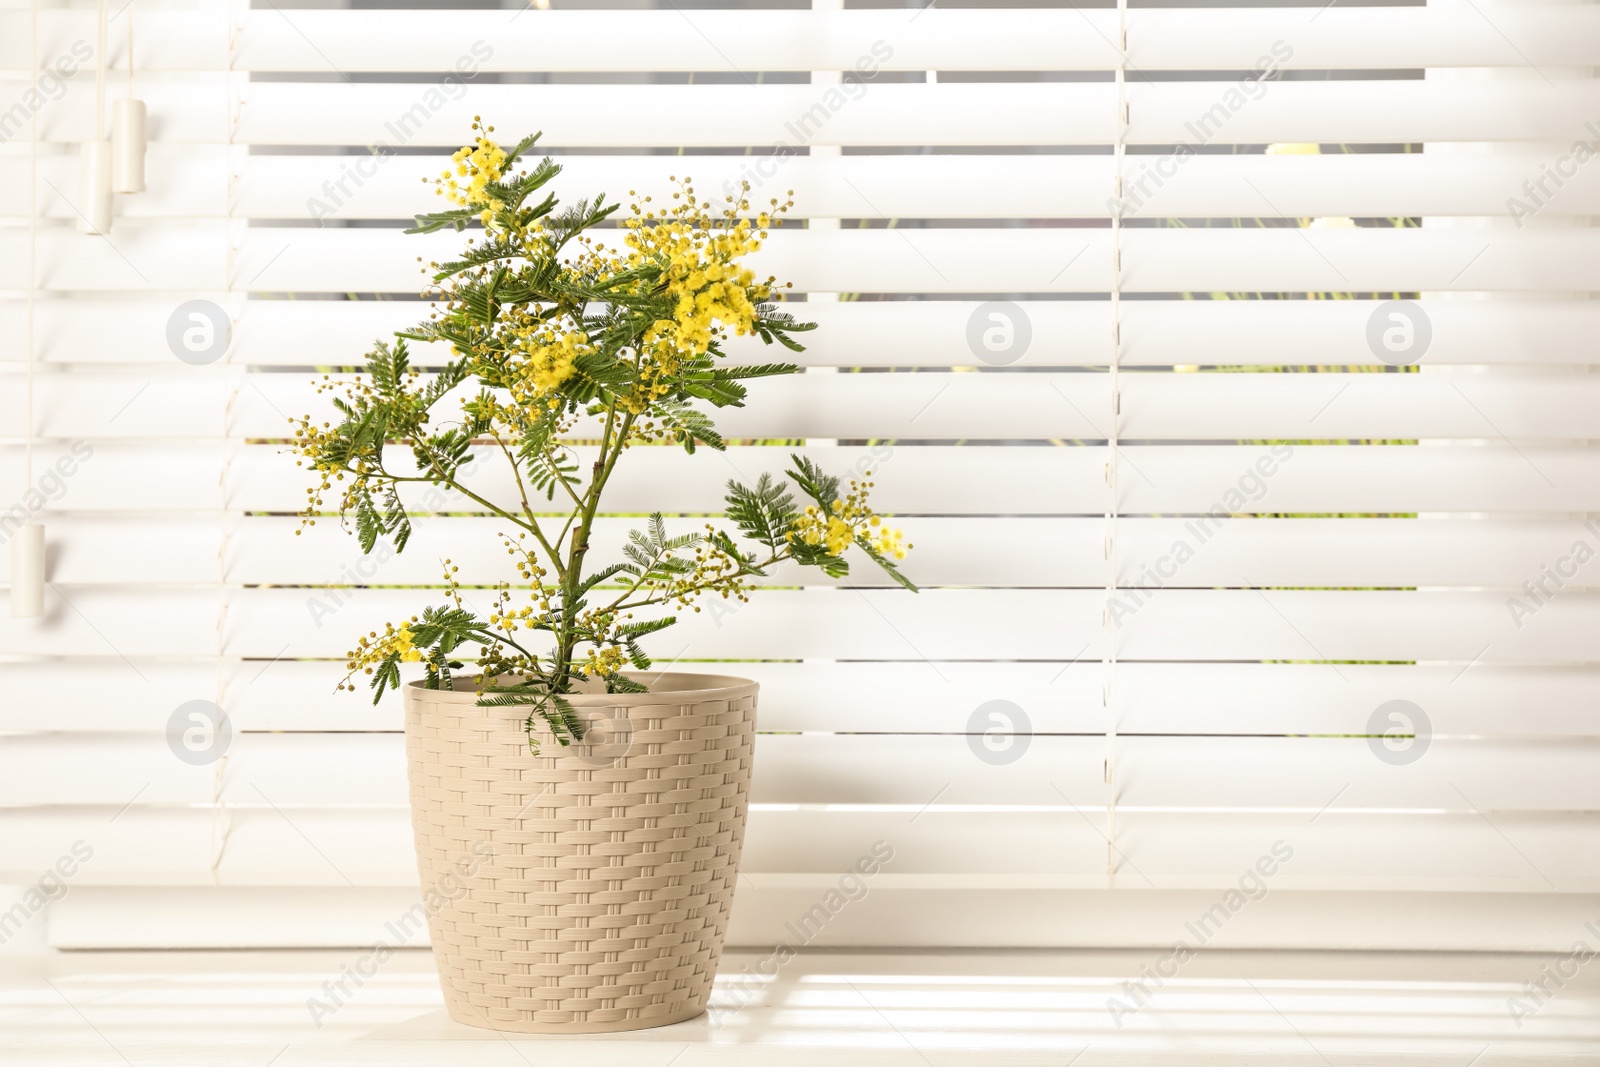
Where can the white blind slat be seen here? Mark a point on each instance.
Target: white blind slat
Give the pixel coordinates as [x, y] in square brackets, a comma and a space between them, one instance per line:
[938, 260]
[1339, 851]
[932, 479]
[773, 40]
[1060, 625]
[1250, 699]
[929, 406]
[188, 182]
[922, 333]
[1176, 774]
[890, 114]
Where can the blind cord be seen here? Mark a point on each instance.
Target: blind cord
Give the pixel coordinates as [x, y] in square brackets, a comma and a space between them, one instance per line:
[33, 236]
[100, 75]
[1112, 471]
[221, 811]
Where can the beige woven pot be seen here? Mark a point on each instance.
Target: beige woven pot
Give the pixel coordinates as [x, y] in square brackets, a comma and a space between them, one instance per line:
[586, 889]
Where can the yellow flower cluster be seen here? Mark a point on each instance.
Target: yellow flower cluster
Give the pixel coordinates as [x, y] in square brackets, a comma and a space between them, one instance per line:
[712, 570]
[402, 644]
[312, 441]
[699, 255]
[479, 163]
[606, 661]
[551, 360]
[374, 648]
[816, 527]
[508, 618]
[701, 274]
[838, 526]
[888, 542]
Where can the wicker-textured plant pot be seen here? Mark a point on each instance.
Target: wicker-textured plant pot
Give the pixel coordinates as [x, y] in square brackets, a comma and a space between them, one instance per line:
[586, 889]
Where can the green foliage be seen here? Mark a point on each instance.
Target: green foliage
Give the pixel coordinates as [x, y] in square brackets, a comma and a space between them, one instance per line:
[763, 514]
[439, 633]
[553, 709]
[560, 335]
[884, 562]
[550, 469]
[690, 426]
[813, 482]
[653, 556]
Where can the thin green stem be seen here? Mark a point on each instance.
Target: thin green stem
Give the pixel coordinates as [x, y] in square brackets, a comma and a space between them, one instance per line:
[522, 492]
[745, 571]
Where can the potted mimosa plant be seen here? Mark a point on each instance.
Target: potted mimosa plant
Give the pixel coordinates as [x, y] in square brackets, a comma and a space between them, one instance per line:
[578, 817]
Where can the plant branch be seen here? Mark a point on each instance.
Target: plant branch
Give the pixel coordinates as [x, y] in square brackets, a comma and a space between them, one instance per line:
[533, 522]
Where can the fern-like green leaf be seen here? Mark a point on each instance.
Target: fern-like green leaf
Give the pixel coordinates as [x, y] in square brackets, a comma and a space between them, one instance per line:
[764, 513]
[813, 482]
[690, 426]
[621, 683]
[433, 221]
[760, 370]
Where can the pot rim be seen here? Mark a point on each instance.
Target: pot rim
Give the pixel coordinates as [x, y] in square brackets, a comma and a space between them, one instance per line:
[682, 687]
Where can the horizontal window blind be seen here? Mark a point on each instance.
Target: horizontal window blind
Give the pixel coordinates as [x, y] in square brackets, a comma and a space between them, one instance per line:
[1103, 297]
